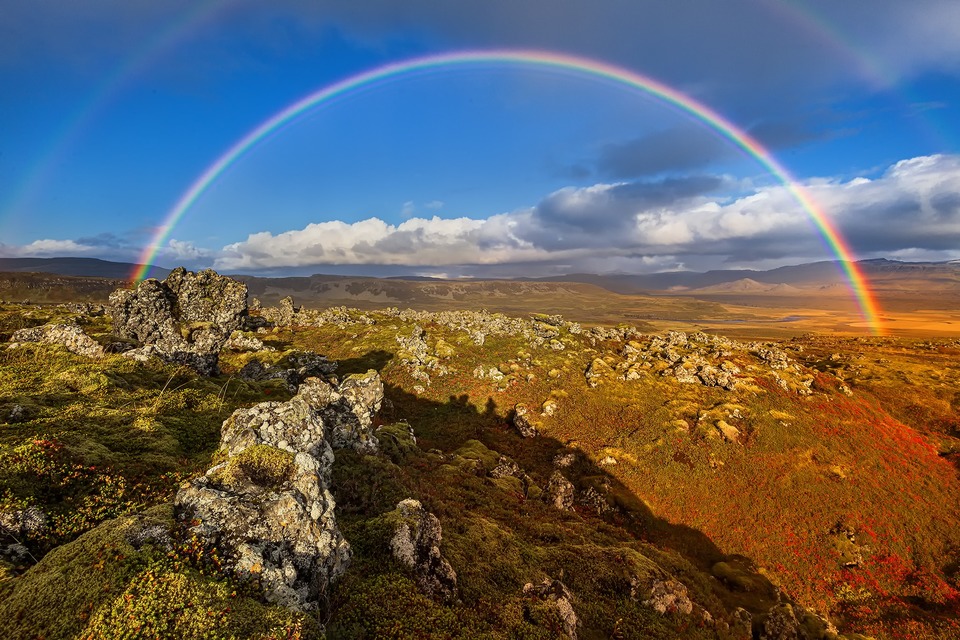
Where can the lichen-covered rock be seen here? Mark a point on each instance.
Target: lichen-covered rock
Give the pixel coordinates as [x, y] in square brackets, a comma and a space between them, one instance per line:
[521, 421]
[268, 508]
[187, 318]
[597, 371]
[287, 311]
[561, 596]
[240, 342]
[559, 492]
[506, 468]
[23, 522]
[16, 527]
[669, 596]
[348, 409]
[69, 335]
[415, 543]
[293, 369]
[782, 624]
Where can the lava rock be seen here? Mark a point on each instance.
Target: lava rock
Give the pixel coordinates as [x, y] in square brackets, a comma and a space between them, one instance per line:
[187, 318]
[416, 545]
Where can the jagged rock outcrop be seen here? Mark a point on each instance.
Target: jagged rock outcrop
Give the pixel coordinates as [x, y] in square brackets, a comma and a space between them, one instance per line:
[559, 492]
[268, 508]
[293, 368]
[69, 335]
[185, 319]
[348, 409]
[560, 595]
[416, 544]
[522, 423]
[669, 596]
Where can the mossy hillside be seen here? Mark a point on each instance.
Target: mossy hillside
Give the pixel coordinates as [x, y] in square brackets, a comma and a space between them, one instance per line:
[101, 586]
[802, 464]
[497, 543]
[96, 439]
[767, 497]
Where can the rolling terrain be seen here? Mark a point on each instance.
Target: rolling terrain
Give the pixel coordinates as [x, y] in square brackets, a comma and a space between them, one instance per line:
[660, 484]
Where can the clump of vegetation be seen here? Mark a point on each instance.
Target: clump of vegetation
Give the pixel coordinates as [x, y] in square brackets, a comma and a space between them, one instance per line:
[102, 586]
[261, 464]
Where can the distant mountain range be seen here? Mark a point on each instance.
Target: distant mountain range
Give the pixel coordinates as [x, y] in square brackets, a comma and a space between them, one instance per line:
[90, 267]
[813, 274]
[817, 277]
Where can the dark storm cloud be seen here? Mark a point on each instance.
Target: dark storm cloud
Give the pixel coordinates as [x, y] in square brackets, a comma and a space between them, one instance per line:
[715, 50]
[675, 149]
[689, 147]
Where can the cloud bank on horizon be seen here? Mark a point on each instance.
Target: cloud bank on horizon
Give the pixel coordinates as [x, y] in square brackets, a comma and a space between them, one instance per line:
[118, 106]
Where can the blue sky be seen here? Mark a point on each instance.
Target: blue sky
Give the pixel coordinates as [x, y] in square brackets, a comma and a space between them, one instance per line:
[110, 110]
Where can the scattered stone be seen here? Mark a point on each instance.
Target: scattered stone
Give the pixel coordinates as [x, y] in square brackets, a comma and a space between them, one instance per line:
[186, 318]
[240, 342]
[597, 370]
[564, 460]
[669, 596]
[287, 311]
[68, 335]
[294, 368]
[549, 407]
[522, 423]
[594, 500]
[17, 414]
[559, 492]
[416, 545]
[729, 432]
[506, 467]
[557, 592]
[23, 523]
[782, 624]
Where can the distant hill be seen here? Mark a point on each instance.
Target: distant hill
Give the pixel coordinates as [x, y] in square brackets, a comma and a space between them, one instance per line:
[810, 274]
[90, 267]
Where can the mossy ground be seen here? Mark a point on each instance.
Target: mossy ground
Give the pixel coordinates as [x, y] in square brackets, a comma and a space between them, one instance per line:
[105, 439]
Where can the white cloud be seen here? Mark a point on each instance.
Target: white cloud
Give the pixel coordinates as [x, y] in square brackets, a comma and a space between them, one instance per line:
[47, 248]
[913, 207]
[909, 211]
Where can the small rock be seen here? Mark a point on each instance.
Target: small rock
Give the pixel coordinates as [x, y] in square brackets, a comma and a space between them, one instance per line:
[522, 422]
[559, 492]
[669, 596]
[416, 545]
[559, 593]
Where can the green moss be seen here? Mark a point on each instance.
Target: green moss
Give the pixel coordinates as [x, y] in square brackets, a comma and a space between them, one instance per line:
[396, 442]
[99, 586]
[261, 464]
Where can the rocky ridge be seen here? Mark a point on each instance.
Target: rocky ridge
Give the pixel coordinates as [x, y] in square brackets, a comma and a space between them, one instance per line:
[267, 508]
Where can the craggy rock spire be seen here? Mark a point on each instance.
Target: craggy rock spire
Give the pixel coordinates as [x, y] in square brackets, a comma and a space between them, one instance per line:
[185, 319]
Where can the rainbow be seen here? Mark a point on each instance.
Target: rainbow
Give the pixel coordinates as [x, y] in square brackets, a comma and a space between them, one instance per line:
[540, 59]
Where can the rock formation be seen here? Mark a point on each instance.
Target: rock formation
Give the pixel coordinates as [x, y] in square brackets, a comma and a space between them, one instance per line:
[416, 545]
[560, 595]
[185, 319]
[268, 509]
[69, 335]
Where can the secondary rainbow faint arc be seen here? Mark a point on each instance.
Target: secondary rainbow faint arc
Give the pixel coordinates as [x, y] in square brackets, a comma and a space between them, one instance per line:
[858, 283]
